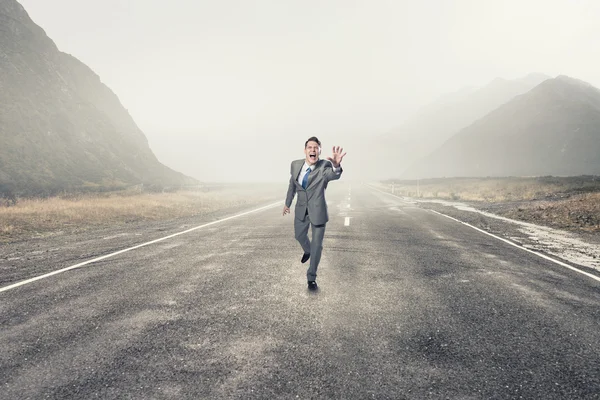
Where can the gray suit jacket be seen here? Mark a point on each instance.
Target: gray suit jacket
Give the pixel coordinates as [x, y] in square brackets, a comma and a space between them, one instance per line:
[313, 198]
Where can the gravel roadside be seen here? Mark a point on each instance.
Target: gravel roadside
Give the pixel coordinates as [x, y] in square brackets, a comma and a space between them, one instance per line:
[577, 248]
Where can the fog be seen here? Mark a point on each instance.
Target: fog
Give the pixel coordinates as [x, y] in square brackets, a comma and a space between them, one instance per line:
[230, 90]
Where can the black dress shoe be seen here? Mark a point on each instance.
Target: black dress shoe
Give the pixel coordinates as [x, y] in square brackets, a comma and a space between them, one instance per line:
[305, 257]
[312, 285]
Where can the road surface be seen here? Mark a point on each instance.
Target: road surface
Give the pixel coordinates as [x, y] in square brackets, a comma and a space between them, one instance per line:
[412, 305]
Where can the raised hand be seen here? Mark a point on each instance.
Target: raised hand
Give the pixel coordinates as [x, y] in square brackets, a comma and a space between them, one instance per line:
[336, 158]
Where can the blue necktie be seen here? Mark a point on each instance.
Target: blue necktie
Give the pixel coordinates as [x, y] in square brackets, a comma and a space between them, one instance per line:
[305, 179]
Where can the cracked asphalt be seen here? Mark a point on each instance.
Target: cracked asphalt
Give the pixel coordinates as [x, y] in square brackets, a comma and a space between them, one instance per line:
[411, 305]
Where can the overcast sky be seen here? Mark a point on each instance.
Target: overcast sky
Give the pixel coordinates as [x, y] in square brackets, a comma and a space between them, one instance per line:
[238, 83]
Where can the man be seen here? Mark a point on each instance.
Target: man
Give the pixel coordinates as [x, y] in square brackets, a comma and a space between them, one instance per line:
[309, 178]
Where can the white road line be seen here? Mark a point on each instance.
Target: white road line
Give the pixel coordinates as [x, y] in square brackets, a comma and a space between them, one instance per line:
[393, 195]
[21, 283]
[347, 221]
[521, 247]
[509, 242]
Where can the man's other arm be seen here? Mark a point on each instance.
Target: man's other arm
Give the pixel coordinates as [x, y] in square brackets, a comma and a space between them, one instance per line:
[290, 194]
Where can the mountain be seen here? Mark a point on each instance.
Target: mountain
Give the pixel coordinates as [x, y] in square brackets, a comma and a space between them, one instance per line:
[554, 129]
[61, 128]
[435, 123]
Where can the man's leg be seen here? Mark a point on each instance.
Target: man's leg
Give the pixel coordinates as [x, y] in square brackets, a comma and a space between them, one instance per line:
[316, 247]
[301, 232]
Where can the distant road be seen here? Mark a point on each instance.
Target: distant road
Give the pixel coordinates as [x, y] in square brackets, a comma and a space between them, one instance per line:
[412, 305]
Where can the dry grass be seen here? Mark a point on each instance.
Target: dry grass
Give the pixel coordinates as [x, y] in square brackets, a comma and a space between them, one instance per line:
[480, 190]
[31, 217]
[577, 212]
[565, 202]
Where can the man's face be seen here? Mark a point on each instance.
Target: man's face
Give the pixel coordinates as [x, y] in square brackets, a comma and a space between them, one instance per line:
[312, 152]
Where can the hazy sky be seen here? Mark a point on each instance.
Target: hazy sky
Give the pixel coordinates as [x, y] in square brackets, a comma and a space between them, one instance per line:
[221, 86]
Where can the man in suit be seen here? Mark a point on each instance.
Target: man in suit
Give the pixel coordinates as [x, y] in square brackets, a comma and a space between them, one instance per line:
[309, 179]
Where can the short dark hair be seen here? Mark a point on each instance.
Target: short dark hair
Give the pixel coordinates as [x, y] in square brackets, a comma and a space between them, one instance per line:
[312, 139]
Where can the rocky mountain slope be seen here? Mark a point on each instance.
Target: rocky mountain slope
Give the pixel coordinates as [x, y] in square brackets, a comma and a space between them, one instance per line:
[437, 122]
[554, 129]
[61, 128]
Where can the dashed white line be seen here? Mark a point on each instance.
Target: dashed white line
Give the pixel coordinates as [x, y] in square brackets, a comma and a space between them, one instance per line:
[347, 221]
[21, 283]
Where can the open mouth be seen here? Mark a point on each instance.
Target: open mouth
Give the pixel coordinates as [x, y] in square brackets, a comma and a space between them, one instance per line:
[312, 156]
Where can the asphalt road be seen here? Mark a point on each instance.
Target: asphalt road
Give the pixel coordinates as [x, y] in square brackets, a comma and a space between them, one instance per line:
[411, 305]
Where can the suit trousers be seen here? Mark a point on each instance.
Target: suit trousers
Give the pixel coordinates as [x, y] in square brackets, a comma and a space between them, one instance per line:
[313, 246]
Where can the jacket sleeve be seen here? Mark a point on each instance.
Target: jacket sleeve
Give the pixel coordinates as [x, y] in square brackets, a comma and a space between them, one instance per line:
[330, 174]
[291, 190]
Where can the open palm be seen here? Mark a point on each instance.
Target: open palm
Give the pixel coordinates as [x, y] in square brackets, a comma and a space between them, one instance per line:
[338, 155]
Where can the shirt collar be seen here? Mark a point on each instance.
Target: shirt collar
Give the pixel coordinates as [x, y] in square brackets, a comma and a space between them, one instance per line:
[312, 167]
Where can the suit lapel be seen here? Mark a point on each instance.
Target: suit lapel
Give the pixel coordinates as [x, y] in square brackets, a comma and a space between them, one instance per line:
[313, 173]
[297, 169]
